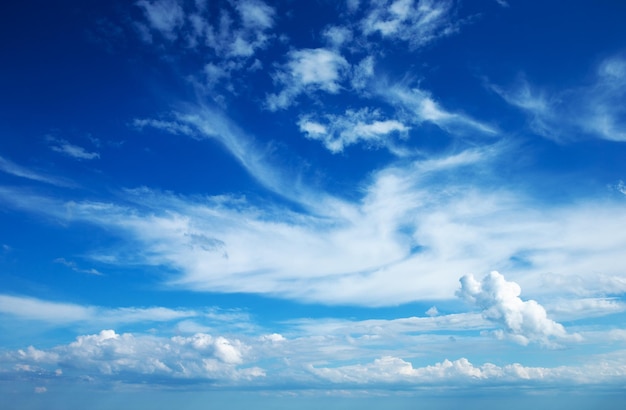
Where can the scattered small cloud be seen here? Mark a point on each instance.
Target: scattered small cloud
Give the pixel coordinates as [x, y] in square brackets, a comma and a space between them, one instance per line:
[71, 150]
[172, 127]
[432, 311]
[308, 71]
[72, 265]
[339, 131]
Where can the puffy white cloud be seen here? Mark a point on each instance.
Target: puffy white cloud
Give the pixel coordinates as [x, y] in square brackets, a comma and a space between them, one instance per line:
[390, 369]
[308, 70]
[340, 131]
[255, 14]
[522, 321]
[134, 357]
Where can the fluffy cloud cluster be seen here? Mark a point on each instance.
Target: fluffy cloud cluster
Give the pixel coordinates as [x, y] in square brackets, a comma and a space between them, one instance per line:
[200, 357]
[227, 40]
[390, 369]
[337, 132]
[522, 321]
[308, 70]
[108, 356]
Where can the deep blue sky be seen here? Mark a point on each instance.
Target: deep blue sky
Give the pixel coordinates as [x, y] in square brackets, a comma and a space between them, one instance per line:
[320, 202]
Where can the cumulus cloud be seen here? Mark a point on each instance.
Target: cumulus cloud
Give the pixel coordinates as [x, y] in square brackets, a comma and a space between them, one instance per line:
[390, 369]
[201, 357]
[521, 321]
[308, 70]
[337, 132]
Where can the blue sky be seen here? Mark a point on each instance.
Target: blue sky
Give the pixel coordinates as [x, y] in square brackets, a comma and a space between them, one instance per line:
[350, 204]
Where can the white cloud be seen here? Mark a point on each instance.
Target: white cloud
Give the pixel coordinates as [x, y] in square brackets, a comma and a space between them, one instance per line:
[362, 73]
[172, 127]
[351, 128]
[308, 70]
[421, 107]
[400, 241]
[74, 151]
[416, 22]
[432, 311]
[337, 36]
[27, 308]
[255, 14]
[35, 309]
[108, 354]
[575, 309]
[19, 171]
[72, 265]
[522, 321]
[164, 16]
[390, 369]
[224, 41]
[594, 109]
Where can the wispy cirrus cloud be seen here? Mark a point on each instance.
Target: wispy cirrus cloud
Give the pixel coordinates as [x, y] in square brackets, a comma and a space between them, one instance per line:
[419, 106]
[28, 308]
[401, 241]
[593, 109]
[74, 151]
[17, 170]
[73, 266]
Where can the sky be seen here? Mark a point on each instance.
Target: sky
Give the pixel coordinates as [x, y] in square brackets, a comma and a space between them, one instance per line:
[341, 204]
